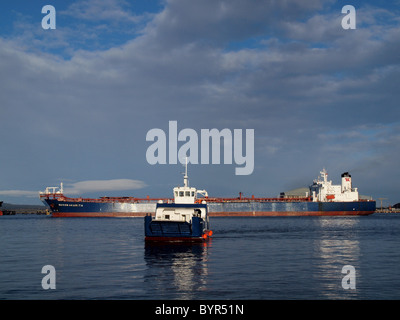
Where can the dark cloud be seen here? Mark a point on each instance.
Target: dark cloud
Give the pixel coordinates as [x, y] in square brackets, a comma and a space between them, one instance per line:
[316, 95]
[217, 23]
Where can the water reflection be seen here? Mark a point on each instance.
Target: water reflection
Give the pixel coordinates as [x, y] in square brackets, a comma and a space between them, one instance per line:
[338, 245]
[176, 271]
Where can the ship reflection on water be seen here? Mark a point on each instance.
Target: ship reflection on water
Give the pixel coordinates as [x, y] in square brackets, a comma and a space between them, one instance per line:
[337, 246]
[177, 270]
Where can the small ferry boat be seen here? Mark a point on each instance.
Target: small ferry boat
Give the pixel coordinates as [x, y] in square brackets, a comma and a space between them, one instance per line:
[183, 219]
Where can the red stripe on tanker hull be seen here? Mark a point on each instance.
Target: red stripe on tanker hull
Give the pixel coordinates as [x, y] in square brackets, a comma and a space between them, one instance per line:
[98, 214]
[289, 213]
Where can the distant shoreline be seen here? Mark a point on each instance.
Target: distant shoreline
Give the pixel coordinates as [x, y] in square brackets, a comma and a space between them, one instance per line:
[24, 208]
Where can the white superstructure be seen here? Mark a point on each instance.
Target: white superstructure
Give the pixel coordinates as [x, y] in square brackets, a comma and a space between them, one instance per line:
[324, 191]
[53, 190]
[186, 204]
[187, 194]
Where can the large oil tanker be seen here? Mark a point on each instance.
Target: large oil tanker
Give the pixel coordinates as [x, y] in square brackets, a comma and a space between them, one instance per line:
[323, 199]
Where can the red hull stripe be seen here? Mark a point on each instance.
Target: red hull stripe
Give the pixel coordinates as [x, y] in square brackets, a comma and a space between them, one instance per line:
[290, 213]
[220, 214]
[175, 239]
[98, 214]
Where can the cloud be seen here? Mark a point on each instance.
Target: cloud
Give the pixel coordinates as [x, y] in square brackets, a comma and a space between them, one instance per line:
[103, 185]
[82, 25]
[114, 11]
[19, 193]
[284, 68]
[217, 23]
[82, 187]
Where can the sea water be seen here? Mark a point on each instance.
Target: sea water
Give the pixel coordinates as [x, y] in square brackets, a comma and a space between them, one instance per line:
[247, 258]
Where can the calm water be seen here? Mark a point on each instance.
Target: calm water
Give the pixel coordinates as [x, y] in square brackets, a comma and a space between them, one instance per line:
[248, 258]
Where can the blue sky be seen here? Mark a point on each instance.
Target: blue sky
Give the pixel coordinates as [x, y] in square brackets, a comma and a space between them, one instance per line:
[77, 102]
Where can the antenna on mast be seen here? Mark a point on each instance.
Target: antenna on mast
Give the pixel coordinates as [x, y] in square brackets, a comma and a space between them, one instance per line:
[185, 177]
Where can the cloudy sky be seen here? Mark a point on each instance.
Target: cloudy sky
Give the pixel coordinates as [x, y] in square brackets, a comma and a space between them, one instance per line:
[76, 102]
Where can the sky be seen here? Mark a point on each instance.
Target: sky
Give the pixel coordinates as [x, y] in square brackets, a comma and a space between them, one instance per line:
[77, 101]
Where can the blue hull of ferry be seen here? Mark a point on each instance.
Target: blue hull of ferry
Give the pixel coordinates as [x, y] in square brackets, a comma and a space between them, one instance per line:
[173, 230]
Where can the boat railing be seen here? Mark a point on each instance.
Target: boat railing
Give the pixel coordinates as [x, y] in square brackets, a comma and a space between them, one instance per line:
[62, 197]
[253, 199]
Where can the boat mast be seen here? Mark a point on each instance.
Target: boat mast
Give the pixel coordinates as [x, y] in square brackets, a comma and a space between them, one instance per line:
[185, 177]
